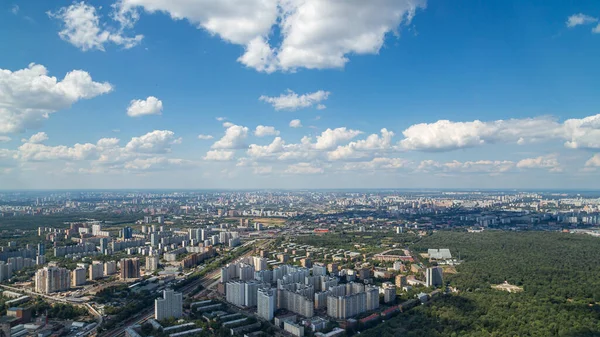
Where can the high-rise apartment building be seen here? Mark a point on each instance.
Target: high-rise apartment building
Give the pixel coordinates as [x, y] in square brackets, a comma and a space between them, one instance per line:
[333, 268]
[97, 230]
[260, 263]
[195, 234]
[40, 260]
[372, 297]
[319, 270]
[41, 248]
[130, 268]
[170, 306]
[296, 302]
[236, 293]
[103, 245]
[110, 267]
[389, 292]
[154, 239]
[352, 304]
[246, 272]
[151, 263]
[5, 271]
[250, 293]
[400, 280]
[266, 303]
[433, 277]
[52, 279]
[78, 276]
[127, 233]
[96, 270]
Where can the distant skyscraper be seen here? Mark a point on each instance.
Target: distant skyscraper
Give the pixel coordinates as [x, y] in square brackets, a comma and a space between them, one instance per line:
[170, 306]
[130, 268]
[154, 239]
[434, 277]
[127, 233]
[40, 260]
[41, 248]
[195, 234]
[103, 245]
[203, 234]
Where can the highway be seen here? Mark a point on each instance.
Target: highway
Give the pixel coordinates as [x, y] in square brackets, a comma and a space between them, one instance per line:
[209, 281]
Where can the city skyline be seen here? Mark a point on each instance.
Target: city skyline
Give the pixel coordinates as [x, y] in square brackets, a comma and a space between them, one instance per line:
[183, 263]
[412, 94]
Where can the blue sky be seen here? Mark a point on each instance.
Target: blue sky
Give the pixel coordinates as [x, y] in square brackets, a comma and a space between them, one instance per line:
[515, 80]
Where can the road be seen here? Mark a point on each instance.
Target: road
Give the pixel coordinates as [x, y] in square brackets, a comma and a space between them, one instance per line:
[57, 299]
[209, 281]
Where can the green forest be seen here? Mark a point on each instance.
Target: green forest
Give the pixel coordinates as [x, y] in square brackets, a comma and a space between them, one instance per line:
[560, 274]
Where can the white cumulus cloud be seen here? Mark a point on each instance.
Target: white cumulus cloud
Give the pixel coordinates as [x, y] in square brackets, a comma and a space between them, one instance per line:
[363, 147]
[37, 138]
[262, 131]
[83, 29]
[258, 151]
[205, 137]
[313, 34]
[41, 152]
[234, 137]
[157, 164]
[445, 135]
[580, 19]
[143, 107]
[330, 138]
[219, 155]
[594, 161]
[155, 142]
[295, 123]
[304, 168]
[479, 166]
[28, 96]
[549, 162]
[292, 101]
[377, 164]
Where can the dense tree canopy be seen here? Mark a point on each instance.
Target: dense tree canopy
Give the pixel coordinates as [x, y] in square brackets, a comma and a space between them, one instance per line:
[560, 274]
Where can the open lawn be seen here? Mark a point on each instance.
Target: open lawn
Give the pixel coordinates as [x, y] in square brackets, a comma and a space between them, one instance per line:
[270, 221]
